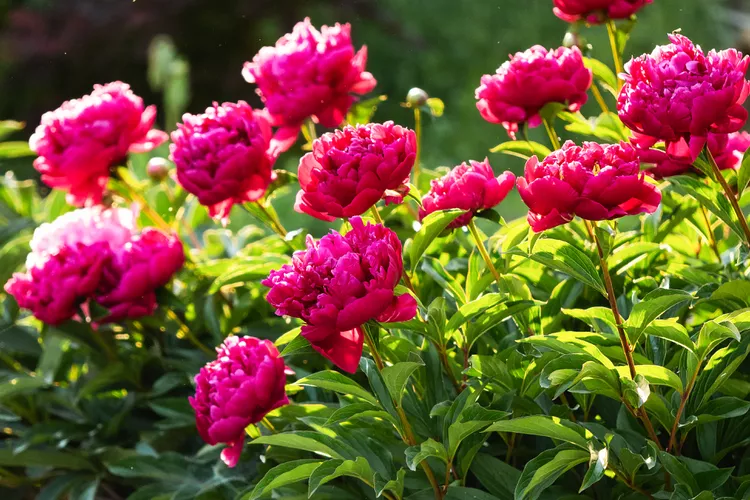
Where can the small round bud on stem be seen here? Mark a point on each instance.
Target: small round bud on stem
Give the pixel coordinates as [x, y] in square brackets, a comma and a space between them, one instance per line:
[416, 97]
[157, 169]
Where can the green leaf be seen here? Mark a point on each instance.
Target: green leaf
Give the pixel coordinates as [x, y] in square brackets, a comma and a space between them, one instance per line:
[8, 127]
[362, 112]
[359, 410]
[743, 174]
[330, 470]
[15, 149]
[394, 485]
[522, 149]
[712, 334]
[432, 267]
[298, 345]
[602, 73]
[722, 408]
[432, 226]
[250, 269]
[430, 448]
[492, 317]
[436, 106]
[551, 427]
[43, 458]
[283, 474]
[496, 476]
[653, 305]
[335, 381]
[543, 470]
[473, 418]
[565, 258]
[301, 440]
[468, 312]
[678, 471]
[21, 384]
[396, 376]
[283, 179]
[710, 197]
[600, 319]
[597, 465]
[655, 374]
[672, 331]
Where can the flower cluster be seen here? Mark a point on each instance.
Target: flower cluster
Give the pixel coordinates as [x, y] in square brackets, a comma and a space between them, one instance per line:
[225, 156]
[243, 384]
[95, 255]
[310, 73]
[81, 141]
[350, 170]
[596, 11]
[472, 187]
[593, 181]
[680, 95]
[340, 283]
[521, 87]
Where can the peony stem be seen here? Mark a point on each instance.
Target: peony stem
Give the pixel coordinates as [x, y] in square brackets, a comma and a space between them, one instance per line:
[418, 133]
[136, 197]
[672, 446]
[376, 215]
[626, 348]
[275, 222]
[408, 433]
[599, 98]
[553, 139]
[728, 192]
[268, 425]
[619, 68]
[483, 252]
[711, 238]
[184, 331]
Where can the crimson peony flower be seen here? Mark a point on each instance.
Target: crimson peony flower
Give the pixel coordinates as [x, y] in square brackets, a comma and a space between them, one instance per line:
[596, 11]
[350, 170]
[81, 141]
[521, 87]
[225, 156]
[95, 255]
[243, 384]
[338, 284]
[727, 150]
[593, 181]
[471, 187]
[310, 73]
[679, 95]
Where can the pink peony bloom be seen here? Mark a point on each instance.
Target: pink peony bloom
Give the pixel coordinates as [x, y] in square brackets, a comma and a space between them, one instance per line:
[95, 254]
[521, 87]
[338, 284]
[310, 73]
[593, 181]
[679, 95]
[727, 150]
[243, 384]
[350, 170]
[596, 11]
[225, 156]
[81, 141]
[471, 187]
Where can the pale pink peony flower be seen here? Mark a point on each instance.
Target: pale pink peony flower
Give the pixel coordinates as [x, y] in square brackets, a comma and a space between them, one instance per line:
[81, 141]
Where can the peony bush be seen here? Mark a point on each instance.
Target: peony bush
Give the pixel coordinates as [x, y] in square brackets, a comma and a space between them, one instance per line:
[164, 335]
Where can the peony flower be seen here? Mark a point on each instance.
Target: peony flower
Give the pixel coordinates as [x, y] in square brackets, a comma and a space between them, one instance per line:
[81, 141]
[243, 384]
[471, 187]
[727, 150]
[521, 87]
[593, 181]
[338, 284]
[350, 170]
[679, 95]
[310, 74]
[225, 156]
[596, 11]
[95, 255]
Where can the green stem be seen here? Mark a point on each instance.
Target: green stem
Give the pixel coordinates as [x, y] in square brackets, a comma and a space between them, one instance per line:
[599, 98]
[376, 215]
[136, 197]
[552, 134]
[730, 195]
[616, 56]
[483, 252]
[418, 132]
[275, 222]
[683, 401]
[185, 332]
[711, 238]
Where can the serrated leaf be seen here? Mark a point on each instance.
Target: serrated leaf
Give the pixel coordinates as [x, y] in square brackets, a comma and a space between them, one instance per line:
[432, 225]
[335, 381]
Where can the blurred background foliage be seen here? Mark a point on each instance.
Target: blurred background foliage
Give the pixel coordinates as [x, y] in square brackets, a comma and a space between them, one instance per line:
[53, 50]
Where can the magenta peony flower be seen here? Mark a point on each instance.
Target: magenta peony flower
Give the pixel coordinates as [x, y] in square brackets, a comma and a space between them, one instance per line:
[95, 255]
[338, 284]
[522, 86]
[727, 150]
[350, 170]
[593, 181]
[679, 95]
[243, 384]
[310, 73]
[468, 187]
[81, 141]
[596, 11]
[225, 156]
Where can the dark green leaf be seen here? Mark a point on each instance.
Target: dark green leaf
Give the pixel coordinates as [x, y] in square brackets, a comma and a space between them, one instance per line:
[543, 470]
[335, 381]
[551, 427]
[283, 474]
[432, 226]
